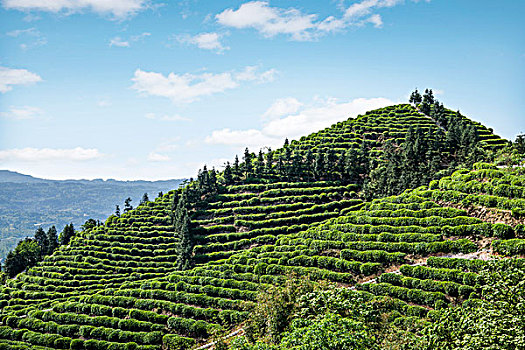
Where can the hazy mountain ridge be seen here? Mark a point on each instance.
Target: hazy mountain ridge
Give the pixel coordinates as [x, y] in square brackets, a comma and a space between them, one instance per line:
[27, 202]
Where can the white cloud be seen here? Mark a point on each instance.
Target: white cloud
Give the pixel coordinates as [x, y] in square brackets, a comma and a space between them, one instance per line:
[166, 117]
[39, 154]
[186, 88]
[250, 74]
[10, 77]
[249, 138]
[117, 8]
[310, 119]
[282, 107]
[206, 41]
[120, 42]
[32, 35]
[157, 157]
[271, 21]
[140, 36]
[376, 20]
[20, 32]
[22, 113]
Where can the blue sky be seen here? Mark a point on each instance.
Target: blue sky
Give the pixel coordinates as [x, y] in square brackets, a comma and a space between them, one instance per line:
[138, 89]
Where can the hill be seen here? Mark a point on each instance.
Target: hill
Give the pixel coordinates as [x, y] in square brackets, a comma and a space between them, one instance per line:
[14, 177]
[27, 202]
[194, 262]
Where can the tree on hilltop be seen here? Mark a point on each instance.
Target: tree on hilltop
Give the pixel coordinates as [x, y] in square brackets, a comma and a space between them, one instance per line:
[415, 97]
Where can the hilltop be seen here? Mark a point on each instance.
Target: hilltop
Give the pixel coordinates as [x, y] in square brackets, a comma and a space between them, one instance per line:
[199, 261]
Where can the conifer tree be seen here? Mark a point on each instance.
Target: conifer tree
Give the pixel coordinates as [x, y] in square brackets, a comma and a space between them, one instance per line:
[259, 165]
[308, 164]
[269, 162]
[41, 240]
[145, 198]
[117, 210]
[236, 166]
[26, 254]
[247, 159]
[52, 240]
[351, 165]
[319, 166]
[227, 175]
[67, 233]
[127, 205]
[415, 97]
[185, 245]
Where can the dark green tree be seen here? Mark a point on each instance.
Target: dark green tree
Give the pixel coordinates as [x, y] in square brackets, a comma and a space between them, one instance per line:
[227, 174]
[127, 205]
[269, 162]
[67, 233]
[117, 210]
[41, 239]
[26, 254]
[89, 224]
[519, 144]
[247, 161]
[428, 101]
[236, 167]
[145, 198]
[415, 97]
[52, 240]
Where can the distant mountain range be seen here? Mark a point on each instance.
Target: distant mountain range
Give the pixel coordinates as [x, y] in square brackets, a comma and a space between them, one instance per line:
[27, 202]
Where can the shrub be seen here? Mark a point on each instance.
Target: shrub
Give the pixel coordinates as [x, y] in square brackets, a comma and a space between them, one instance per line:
[176, 342]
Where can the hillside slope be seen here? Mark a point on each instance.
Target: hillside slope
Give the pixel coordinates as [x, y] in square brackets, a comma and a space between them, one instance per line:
[27, 203]
[296, 211]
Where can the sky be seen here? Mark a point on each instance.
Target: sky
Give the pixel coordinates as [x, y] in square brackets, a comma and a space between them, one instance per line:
[150, 89]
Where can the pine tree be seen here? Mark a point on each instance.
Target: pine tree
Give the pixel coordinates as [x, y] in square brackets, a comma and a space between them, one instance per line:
[145, 198]
[127, 205]
[331, 163]
[67, 233]
[428, 101]
[41, 240]
[259, 165]
[351, 165]
[308, 164]
[236, 167]
[269, 162]
[52, 240]
[227, 174]
[26, 254]
[247, 159]
[185, 245]
[415, 97]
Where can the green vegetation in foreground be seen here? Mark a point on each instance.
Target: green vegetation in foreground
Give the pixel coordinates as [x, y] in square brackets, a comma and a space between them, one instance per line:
[298, 316]
[198, 262]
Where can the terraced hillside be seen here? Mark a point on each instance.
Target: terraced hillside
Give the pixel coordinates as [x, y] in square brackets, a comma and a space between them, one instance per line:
[296, 210]
[186, 307]
[137, 246]
[254, 214]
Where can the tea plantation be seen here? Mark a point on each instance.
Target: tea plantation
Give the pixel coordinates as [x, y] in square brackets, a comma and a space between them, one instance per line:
[194, 264]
